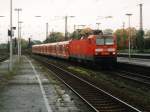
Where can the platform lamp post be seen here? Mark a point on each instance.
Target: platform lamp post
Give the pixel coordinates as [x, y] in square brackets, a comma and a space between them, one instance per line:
[20, 35]
[18, 11]
[47, 29]
[11, 30]
[129, 38]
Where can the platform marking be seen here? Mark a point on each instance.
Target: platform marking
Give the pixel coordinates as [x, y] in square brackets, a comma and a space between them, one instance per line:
[41, 87]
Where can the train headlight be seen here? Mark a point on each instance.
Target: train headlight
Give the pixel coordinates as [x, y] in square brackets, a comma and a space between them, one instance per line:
[111, 49]
[114, 53]
[99, 50]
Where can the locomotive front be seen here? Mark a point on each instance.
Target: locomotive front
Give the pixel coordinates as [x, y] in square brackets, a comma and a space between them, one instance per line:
[106, 49]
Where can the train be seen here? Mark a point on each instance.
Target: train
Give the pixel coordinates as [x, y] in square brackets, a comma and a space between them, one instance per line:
[95, 48]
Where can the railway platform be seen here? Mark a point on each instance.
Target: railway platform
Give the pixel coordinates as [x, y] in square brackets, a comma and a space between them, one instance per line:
[32, 90]
[136, 54]
[134, 61]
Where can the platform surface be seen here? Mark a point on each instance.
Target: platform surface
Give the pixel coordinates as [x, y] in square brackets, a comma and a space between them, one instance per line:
[31, 91]
[135, 61]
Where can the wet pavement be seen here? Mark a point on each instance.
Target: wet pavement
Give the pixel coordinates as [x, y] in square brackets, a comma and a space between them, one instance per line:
[135, 61]
[32, 91]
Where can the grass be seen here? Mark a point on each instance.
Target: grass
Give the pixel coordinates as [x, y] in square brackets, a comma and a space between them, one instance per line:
[8, 75]
[82, 71]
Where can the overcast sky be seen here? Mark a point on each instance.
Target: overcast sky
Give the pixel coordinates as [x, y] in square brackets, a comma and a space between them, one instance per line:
[87, 12]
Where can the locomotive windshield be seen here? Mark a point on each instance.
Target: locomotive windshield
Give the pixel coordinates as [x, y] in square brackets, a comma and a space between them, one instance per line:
[100, 41]
[109, 41]
[104, 41]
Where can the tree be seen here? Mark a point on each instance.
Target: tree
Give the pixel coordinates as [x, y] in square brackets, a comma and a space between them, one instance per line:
[24, 44]
[147, 34]
[140, 40]
[54, 37]
[36, 42]
[123, 37]
[147, 43]
[133, 36]
[76, 34]
[147, 40]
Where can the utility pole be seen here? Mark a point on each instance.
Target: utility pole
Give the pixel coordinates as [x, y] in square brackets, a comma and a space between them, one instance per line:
[18, 10]
[74, 27]
[123, 35]
[11, 30]
[141, 32]
[20, 36]
[141, 17]
[66, 29]
[123, 25]
[47, 30]
[129, 38]
[66, 26]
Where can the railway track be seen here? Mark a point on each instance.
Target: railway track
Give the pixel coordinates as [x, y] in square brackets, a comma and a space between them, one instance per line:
[136, 73]
[98, 99]
[144, 70]
[139, 78]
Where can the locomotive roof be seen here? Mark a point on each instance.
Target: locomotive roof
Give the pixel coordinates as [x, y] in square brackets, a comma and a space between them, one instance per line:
[100, 36]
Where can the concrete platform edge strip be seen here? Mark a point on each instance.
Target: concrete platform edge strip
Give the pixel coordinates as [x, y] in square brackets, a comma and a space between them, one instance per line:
[41, 87]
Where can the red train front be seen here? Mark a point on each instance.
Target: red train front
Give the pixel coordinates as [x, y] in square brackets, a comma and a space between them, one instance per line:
[95, 48]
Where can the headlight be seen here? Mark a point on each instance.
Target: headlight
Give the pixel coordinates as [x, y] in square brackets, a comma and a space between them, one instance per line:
[114, 53]
[98, 50]
[111, 49]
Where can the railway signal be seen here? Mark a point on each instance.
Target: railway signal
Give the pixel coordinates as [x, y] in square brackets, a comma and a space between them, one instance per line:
[29, 44]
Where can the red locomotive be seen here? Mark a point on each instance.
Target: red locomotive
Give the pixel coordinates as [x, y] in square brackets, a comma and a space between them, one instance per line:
[94, 48]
